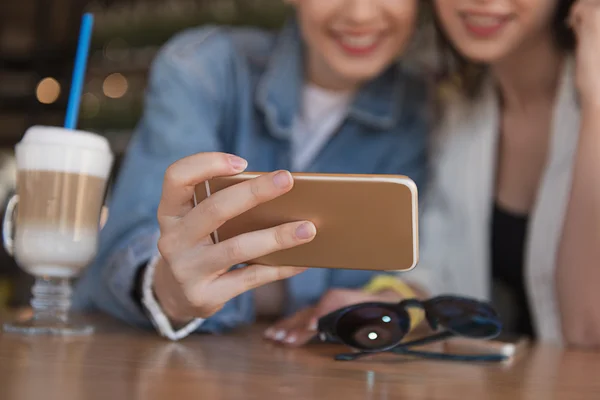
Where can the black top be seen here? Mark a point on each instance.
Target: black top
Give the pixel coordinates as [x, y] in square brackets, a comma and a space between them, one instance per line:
[509, 232]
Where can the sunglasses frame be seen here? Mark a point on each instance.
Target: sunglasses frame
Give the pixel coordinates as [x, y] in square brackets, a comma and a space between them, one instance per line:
[327, 328]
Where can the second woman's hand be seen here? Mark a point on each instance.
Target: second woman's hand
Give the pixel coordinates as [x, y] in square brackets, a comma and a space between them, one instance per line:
[194, 279]
[585, 21]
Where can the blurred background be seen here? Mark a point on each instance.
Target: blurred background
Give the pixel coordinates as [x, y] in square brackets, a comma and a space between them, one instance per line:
[37, 46]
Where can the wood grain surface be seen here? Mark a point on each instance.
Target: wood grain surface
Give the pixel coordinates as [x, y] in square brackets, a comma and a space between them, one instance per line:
[119, 362]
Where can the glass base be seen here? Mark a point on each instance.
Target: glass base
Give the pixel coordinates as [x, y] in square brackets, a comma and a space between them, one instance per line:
[56, 328]
[49, 311]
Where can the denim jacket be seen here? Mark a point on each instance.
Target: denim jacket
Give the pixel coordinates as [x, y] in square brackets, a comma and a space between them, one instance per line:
[237, 91]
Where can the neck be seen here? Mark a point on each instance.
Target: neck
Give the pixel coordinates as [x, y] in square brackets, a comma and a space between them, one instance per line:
[529, 76]
[331, 82]
[319, 74]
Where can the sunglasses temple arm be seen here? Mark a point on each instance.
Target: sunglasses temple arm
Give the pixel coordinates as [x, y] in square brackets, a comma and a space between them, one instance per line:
[429, 355]
[450, 357]
[428, 339]
[351, 356]
[419, 342]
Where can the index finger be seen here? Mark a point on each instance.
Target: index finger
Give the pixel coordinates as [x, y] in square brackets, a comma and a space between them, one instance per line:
[182, 176]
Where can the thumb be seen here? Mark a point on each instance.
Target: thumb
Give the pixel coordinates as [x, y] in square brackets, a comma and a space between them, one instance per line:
[238, 281]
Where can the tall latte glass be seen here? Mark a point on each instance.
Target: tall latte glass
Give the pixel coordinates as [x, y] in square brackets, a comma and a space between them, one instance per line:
[51, 225]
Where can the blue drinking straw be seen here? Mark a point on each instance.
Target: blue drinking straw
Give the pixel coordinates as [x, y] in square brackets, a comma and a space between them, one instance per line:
[77, 82]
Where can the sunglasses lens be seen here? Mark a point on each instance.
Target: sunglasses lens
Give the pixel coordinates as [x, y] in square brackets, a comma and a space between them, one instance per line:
[477, 327]
[465, 316]
[372, 328]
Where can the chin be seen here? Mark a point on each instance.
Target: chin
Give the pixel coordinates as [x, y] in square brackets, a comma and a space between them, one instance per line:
[482, 54]
[360, 75]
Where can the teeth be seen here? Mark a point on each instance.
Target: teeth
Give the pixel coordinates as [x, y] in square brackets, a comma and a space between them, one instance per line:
[483, 21]
[359, 42]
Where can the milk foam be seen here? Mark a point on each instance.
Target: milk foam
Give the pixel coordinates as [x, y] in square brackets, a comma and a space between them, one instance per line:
[45, 250]
[57, 149]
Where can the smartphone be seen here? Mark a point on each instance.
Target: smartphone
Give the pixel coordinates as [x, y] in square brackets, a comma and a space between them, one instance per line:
[364, 222]
[506, 344]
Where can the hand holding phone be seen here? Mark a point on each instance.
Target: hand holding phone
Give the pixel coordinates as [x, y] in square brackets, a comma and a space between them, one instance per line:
[193, 276]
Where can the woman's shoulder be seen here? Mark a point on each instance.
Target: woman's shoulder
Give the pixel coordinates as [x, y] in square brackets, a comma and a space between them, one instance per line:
[215, 48]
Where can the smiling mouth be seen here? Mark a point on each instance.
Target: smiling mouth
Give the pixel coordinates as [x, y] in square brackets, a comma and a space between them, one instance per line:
[484, 25]
[359, 44]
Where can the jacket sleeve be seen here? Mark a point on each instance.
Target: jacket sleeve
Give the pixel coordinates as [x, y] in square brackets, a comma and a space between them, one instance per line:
[185, 104]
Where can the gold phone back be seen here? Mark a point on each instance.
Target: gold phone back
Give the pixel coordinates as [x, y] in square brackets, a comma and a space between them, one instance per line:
[367, 222]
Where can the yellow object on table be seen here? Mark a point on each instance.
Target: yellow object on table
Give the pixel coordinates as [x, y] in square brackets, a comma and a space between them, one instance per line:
[381, 283]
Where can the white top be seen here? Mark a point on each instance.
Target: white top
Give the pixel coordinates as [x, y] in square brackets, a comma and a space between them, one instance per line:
[321, 115]
[455, 242]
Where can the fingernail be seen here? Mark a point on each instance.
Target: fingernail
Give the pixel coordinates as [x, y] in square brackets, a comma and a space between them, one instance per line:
[280, 335]
[238, 163]
[313, 326]
[270, 333]
[282, 179]
[305, 231]
[291, 339]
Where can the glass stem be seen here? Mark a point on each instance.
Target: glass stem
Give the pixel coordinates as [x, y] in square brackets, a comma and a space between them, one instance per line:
[51, 299]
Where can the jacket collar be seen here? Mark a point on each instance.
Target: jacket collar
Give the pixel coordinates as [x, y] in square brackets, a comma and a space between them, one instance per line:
[377, 104]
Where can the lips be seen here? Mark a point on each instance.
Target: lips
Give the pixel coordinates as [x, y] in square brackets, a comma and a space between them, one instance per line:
[484, 25]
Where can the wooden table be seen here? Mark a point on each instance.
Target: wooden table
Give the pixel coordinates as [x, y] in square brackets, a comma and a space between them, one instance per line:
[121, 363]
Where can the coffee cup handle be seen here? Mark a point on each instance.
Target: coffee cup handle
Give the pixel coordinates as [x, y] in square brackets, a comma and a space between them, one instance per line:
[7, 225]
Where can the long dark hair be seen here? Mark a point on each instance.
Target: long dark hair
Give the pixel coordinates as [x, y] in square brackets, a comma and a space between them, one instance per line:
[468, 75]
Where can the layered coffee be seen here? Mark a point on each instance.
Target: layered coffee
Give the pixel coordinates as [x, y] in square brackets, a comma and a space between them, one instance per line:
[58, 217]
[61, 182]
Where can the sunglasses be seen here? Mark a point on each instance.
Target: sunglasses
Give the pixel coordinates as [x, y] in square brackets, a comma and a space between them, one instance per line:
[380, 327]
